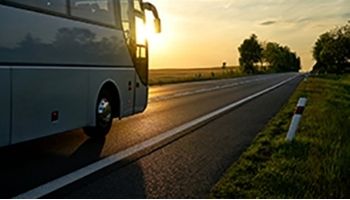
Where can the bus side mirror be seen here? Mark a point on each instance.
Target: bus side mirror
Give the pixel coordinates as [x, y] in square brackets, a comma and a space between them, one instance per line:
[157, 25]
[153, 9]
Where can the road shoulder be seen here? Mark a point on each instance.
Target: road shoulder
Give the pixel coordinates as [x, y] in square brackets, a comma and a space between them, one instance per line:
[315, 165]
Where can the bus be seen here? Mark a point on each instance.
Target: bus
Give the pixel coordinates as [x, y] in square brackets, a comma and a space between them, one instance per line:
[67, 64]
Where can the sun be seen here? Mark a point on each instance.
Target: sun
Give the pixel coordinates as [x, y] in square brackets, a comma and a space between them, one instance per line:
[150, 33]
[145, 31]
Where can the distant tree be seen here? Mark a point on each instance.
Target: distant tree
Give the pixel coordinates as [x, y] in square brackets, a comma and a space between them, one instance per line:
[271, 55]
[332, 50]
[250, 51]
[224, 65]
[280, 58]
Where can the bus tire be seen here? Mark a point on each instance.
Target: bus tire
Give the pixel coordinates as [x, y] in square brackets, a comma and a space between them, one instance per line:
[104, 116]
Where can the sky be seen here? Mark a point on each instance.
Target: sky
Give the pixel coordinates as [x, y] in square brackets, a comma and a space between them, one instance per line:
[206, 33]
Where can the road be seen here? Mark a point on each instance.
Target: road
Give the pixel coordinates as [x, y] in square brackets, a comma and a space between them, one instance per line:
[181, 167]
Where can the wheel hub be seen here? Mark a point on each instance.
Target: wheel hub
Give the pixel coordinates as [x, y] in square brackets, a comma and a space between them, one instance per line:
[104, 112]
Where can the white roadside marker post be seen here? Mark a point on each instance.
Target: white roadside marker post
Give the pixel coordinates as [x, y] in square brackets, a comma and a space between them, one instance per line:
[296, 119]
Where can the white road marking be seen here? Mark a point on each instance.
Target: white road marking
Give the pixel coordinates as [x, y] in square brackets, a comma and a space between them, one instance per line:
[94, 167]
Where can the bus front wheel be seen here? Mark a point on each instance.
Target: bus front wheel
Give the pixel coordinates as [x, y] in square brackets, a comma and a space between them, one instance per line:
[104, 116]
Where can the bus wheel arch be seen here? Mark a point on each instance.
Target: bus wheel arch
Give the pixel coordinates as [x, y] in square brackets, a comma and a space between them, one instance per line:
[107, 107]
[112, 89]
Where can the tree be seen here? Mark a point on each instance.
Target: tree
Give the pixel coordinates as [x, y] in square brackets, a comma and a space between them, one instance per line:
[280, 58]
[332, 50]
[250, 51]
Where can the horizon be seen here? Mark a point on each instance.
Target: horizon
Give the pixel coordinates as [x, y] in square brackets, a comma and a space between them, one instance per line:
[206, 33]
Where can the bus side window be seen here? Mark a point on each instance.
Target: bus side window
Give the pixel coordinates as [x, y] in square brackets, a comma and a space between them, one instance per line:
[59, 6]
[137, 5]
[125, 18]
[101, 11]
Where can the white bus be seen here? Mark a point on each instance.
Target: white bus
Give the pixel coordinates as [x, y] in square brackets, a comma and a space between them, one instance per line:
[67, 64]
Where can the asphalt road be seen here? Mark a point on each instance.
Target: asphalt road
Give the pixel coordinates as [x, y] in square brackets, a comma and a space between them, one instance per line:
[186, 167]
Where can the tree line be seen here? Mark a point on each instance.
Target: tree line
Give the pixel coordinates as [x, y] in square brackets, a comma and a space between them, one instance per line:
[258, 57]
[332, 51]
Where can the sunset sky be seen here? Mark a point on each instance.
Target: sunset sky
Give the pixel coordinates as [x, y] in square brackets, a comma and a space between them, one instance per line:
[204, 33]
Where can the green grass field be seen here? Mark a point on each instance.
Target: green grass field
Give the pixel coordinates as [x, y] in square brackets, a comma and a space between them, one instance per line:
[166, 76]
[315, 165]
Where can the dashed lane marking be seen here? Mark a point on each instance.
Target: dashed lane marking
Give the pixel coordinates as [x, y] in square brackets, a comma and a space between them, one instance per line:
[202, 90]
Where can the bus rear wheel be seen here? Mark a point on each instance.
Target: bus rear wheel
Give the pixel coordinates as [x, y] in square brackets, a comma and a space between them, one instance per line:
[104, 116]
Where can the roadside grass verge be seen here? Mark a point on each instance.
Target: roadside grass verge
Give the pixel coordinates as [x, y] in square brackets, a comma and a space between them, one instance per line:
[167, 76]
[315, 165]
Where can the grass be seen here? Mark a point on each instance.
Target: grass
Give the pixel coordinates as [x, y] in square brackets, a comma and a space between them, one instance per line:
[166, 76]
[315, 165]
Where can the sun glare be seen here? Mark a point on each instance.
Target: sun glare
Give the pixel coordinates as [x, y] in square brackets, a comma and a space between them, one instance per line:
[150, 33]
[146, 31]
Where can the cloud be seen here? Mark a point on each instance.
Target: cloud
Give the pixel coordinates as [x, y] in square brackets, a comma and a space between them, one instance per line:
[268, 23]
[303, 20]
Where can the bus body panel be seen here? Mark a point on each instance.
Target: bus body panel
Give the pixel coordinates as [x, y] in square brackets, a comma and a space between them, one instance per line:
[5, 102]
[38, 93]
[65, 91]
[141, 96]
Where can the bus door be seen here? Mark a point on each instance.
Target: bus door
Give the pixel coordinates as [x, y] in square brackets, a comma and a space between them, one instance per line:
[133, 21]
[141, 59]
[5, 88]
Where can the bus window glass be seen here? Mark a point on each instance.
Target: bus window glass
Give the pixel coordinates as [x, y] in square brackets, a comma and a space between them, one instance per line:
[141, 52]
[59, 6]
[140, 31]
[137, 5]
[125, 16]
[101, 11]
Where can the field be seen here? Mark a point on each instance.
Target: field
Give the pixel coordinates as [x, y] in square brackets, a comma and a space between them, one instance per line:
[315, 165]
[166, 76]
